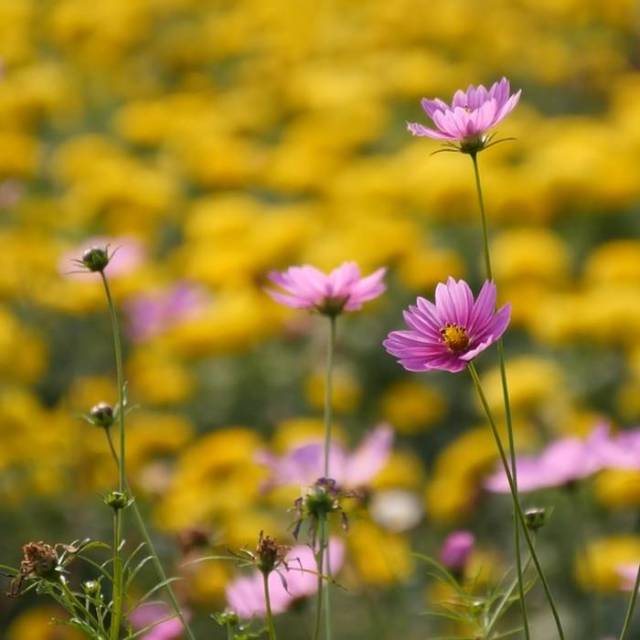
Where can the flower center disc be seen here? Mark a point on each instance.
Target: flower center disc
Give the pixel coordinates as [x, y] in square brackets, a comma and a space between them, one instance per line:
[455, 338]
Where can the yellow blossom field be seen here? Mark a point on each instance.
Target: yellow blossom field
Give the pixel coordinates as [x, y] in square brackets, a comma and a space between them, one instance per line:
[205, 145]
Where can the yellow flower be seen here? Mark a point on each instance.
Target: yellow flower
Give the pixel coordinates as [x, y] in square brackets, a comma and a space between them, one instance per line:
[534, 383]
[381, 558]
[597, 568]
[412, 407]
[423, 268]
[39, 624]
[617, 488]
[614, 262]
[530, 254]
[402, 470]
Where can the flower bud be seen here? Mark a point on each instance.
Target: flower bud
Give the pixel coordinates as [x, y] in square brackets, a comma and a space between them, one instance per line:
[227, 618]
[322, 498]
[535, 518]
[117, 500]
[102, 415]
[95, 259]
[91, 587]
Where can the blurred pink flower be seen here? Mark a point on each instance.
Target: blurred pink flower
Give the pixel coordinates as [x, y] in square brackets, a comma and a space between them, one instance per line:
[471, 114]
[628, 573]
[153, 313]
[166, 625]
[450, 333]
[567, 460]
[127, 254]
[304, 464]
[456, 549]
[306, 287]
[245, 595]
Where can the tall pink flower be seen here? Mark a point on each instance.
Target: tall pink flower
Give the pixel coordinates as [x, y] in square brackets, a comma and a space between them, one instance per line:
[344, 289]
[450, 333]
[304, 464]
[470, 116]
[456, 549]
[245, 595]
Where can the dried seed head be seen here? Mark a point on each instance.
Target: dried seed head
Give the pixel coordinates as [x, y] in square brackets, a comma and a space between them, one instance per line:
[269, 554]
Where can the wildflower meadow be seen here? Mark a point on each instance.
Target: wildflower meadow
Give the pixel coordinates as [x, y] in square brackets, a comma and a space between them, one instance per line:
[319, 321]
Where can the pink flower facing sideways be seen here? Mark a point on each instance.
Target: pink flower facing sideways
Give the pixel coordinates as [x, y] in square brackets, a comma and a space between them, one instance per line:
[299, 579]
[469, 117]
[343, 289]
[568, 460]
[304, 464]
[449, 334]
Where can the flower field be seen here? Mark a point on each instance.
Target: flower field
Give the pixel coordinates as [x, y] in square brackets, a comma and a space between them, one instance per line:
[305, 333]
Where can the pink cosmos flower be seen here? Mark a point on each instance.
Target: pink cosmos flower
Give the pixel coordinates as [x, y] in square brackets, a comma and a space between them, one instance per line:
[127, 254]
[343, 289]
[567, 460]
[456, 549]
[471, 114]
[162, 620]
[152, 314]
[304, 464]
[450, 333]
[245, 595]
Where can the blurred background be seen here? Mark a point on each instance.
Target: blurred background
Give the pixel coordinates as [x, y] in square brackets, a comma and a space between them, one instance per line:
[214, 141]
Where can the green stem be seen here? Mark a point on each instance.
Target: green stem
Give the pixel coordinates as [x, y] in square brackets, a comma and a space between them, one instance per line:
[118, 577]
[328, 393]
[320, 564]
[516, 501]
[155, 558]
[117, 350]
[632, 605]
[120, 460]
[229, 632]
[327, 584]
[267, 598]
[507, 403]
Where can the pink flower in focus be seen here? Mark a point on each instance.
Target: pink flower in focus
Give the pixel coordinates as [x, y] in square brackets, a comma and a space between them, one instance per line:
[127, 254]
[567, 460]
[166, 626]
[450, 333]
[471, 114]
[152, 314]
[343, 289]
[304, 464]
[245, 595]
[456, 549]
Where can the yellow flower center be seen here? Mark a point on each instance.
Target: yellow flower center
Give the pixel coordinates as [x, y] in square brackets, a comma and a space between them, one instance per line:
[455, 338]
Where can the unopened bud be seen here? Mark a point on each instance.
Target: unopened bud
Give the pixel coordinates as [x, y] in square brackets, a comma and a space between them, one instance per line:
[117, 500]
[102, 415]
[95, 259]
[535, 518]
[91, 587]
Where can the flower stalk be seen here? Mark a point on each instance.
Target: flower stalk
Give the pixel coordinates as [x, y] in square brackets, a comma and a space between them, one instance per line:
[124, 489]
[630, 607]
[267, 598]
[516, 502]
[506, 398]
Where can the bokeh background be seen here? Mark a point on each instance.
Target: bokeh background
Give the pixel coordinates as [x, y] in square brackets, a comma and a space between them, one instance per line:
[223, 139]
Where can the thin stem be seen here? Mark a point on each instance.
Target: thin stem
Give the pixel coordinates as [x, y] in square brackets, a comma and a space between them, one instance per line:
[267, 598]
[117, 350]
[328, 393]
[320, 564]
[631, 607]
[483, 217]
[155, 559]
[229, 632]
[327, 585]
[118, 577]
[516, 501]
[507, 403]
[120, 459]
